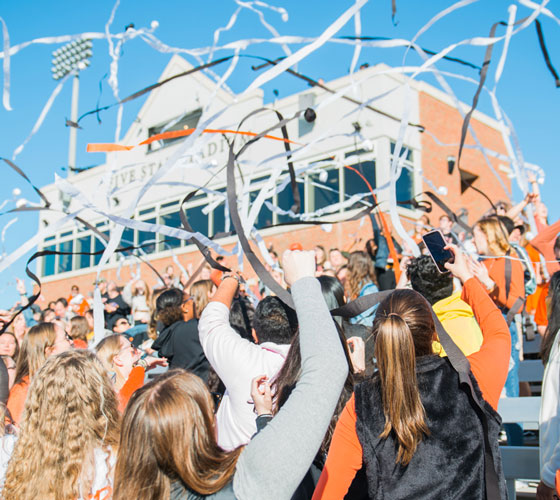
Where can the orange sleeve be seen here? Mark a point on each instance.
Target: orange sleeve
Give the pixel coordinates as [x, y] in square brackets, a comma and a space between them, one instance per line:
[16, 401]
[544, 243]
[344, 459]
[134, 382]
[490, 364]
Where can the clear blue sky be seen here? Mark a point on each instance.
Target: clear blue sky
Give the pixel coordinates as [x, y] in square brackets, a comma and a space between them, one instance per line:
[526, 90]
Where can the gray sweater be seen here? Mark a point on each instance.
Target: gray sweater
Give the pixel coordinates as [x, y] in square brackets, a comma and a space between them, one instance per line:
[276, 460]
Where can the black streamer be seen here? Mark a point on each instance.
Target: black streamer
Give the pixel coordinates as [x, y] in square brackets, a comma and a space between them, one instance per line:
[545, 53]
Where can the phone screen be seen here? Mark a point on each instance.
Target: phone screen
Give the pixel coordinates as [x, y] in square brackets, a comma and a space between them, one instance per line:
[436, 246]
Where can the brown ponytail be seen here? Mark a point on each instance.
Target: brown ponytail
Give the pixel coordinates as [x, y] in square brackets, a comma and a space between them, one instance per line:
[404, 329]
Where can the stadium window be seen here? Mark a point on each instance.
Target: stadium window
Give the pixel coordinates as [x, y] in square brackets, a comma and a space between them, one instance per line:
[49, 262]
[285, 199]
[127, 238]
[264, 218]
[197, 219]
[405, 183]
[187, 121]
[409, 154]
[218, 218]
[65, 261]
[405, 187]
[148, 237]
[172, 219]
[83, 244]
[354, 184]
[98, 245]
[322, 191]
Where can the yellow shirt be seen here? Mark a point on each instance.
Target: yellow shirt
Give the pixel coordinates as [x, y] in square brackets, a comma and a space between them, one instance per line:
[457, 318]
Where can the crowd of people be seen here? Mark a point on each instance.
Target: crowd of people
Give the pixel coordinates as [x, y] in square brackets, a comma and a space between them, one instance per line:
[210, 386]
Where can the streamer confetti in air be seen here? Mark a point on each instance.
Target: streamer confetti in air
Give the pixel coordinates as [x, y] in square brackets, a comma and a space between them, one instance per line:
[273, 156]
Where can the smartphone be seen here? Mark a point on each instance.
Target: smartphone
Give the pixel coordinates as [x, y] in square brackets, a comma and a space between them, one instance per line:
[435, 243]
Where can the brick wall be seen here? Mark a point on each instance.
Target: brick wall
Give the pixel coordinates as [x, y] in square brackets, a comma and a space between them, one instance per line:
[342, 236]
[444, 122]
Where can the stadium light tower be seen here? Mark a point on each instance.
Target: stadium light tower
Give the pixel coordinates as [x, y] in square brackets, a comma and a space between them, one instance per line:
[71, 59]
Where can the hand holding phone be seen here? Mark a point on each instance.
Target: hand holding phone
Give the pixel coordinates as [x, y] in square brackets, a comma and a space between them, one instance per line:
[437, 246]
[460, 265]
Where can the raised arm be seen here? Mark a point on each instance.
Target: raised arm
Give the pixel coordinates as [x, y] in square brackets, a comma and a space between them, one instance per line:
[490, 364]
[228, 353]
[514, 211]
[277, 459]
[544, 243]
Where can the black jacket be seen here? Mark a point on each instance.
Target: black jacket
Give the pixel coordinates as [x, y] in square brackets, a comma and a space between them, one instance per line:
[449, 462]
[179, 343]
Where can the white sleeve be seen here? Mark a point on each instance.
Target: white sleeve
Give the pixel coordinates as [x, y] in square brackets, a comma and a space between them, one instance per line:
[229, 354]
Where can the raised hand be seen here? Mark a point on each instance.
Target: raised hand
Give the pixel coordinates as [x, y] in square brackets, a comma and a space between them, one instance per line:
[459, 267]
[261, 394]
[357, 348]
[297, 265]
[479, 270]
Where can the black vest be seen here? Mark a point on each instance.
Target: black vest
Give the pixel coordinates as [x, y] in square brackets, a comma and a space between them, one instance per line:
[449, 462]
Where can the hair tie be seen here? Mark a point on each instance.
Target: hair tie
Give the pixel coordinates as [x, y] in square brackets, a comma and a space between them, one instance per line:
[394, 314]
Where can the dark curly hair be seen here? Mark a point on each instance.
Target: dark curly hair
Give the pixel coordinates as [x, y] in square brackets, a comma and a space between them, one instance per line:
[427, 280]
[168, 306]
[274, 321]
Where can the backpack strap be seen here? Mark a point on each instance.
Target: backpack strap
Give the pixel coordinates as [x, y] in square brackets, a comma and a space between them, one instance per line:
[508, 274]
[517, 305]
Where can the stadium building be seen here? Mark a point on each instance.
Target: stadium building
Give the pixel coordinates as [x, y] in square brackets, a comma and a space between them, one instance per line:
[343, 133]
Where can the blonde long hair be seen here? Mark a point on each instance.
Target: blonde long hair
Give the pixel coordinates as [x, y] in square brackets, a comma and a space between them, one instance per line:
[71, 409]
[360, 273]
[403, 330]
[168, 434]
[32, 354]
[199, 292]
[107, 349]
[495, 233]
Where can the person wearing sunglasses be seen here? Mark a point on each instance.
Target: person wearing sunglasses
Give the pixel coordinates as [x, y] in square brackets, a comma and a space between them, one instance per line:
[121, 325]
[178, 341]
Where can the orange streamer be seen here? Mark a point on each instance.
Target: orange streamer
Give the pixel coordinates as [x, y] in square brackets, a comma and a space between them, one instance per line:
[386, 231]
[104, 147]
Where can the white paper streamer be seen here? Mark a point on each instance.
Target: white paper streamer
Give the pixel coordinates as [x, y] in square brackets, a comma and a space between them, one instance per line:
[305, 51]
[6, 66]
[42, 116]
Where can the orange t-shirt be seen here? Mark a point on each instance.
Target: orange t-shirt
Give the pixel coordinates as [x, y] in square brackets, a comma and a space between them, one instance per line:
[489, 366]
[533, 299]
[134, 382]
[16, 400]
[80, 344]
[541, 316]
[497, 271]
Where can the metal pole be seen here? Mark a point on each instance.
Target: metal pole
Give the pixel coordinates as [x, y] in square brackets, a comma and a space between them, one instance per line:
[73, 130]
